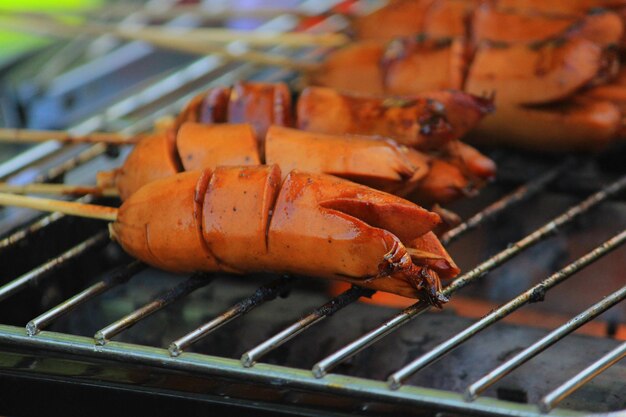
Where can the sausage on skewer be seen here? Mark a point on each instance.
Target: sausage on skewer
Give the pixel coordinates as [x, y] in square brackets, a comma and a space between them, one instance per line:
[375, 162]
[250, 219]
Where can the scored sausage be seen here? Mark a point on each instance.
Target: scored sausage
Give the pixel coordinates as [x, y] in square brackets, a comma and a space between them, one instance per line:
[247, 219]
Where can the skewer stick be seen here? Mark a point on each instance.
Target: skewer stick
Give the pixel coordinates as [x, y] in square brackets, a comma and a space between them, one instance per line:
[67, 207]
[219, 35]
[48, 27]
[418, 253]
[201, 35]
[58, 189]
[30, 135]
[170, 12]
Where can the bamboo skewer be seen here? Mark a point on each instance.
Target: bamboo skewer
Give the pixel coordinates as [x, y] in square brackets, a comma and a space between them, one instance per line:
[219, 35]
[205, 43]
[67, 207]
[170, 12]
[30, 135]
[58, 189]
[49, 27]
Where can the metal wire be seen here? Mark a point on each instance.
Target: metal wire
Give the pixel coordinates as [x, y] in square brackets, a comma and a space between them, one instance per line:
[122, 275]
[535, 293]
[40, 224]
[176, 293]
[261, 295]
[522, 193]
[550, 401]
[342, 300]
[494, 376]
[32, 277]
[331, 361]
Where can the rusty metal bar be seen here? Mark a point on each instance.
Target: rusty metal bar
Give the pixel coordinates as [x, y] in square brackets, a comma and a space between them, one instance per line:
[551, 400]
[474, 390]
[519, 195]
[534, 294]
[342, 300]
[119, 277]
[261, 295]
[32, 277]
[186, 287]
[409, 313]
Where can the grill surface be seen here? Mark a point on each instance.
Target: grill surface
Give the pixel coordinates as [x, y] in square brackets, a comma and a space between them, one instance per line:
[117, 326]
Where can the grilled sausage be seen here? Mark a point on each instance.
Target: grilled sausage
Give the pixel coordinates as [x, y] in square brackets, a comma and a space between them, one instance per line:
[246, 219]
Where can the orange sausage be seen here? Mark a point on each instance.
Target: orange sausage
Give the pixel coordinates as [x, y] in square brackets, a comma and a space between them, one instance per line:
[577, 125]
[352, 68]
[154, 157]
[202, 146]
[538, 74]
[558, 7]
[412, 66]
[381, 164]
[445, 182]
[261, 105]
[208, 107]
[159, 224]
[468, 158]
[416, 121]
[448, 18]
[426, 121]
[309, 224]
[398, 19]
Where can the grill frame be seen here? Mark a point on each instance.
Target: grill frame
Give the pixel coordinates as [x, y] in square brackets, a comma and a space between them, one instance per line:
[306, 393]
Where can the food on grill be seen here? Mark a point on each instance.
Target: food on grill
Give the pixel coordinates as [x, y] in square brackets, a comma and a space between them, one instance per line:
[496, 20]
[250, 219]
[376, 162]
[432, 121]
[536, 60]
[427, 121]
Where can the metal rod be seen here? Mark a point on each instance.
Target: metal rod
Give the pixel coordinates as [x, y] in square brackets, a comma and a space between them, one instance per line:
[550, 401]
[83, 157]
[121, 275]
[261, 295]
[551, 338]
[347, 297]
[534, 294]
[520, 194]
[409, 313]
[21, 234]
[40, 224]
[173, 294]
[32, 277]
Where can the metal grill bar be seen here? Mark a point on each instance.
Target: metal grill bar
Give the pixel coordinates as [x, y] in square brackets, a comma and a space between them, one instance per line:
[33, 276]
[328, 363]
[261, 295]
[22, 234]
[550, 401]
[173, 294]
[42, 223]
[342, 300]
[519, 195]
[122, 275]
[592, 312]
[83, 157]
[536, 293]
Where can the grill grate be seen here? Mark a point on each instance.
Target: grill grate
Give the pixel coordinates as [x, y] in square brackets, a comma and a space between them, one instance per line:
[307, 388]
